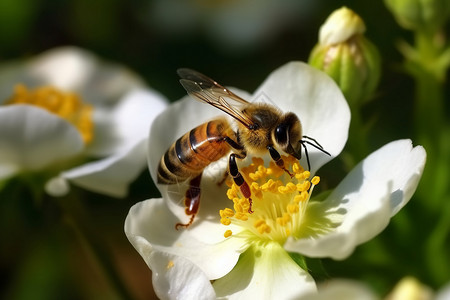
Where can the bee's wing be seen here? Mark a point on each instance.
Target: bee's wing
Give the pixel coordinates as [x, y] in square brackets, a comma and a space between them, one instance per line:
[205, 89]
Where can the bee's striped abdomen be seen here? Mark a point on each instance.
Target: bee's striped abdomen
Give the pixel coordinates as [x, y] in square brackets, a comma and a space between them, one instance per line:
[194, 151]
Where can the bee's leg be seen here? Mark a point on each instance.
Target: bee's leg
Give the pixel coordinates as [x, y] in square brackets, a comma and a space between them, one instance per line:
[236, 146]
[278, 160]
[191, 201]
[239, 179]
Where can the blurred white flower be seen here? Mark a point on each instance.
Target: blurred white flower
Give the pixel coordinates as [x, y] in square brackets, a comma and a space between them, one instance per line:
[69, 116]
[412, 289]
[258, 255]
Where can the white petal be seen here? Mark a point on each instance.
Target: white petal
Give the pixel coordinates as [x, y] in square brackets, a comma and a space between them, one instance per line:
[72, 68]
[67, 68]
[363, 203]
[443, 293]
[127, 123]
[316, 100]
[267, 272]
[340, 26]
[153, 222]
[206, 227]
[111, 175]
[32, 138]
[174, 277]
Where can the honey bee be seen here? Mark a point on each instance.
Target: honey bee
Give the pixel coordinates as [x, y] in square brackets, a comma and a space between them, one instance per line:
[259, 128]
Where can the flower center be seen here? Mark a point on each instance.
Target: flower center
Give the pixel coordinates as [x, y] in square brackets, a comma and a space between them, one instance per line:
[279, 201]
[63, 104]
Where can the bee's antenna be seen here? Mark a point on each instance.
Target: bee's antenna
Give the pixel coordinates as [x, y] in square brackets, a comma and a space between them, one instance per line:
[315, 145]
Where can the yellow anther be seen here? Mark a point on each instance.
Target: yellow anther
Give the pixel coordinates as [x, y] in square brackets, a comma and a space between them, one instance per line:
[67, 106]
[241, 216]
[262, 169]
[284, 220]
[245, 204]
[300, 197]
[268, 186]
[227, 212]
[291, 187]
[259, 222]
[288, 188]
[315, 180]
[274, 193]
[266, 228]
[280, 221]
[254, 176]
[304, 186]
[296, 168]
[263, 228]
[225, 221]
[238, 208]
[231, 194]
[227, 233]
[293, 208]
[256, 190]
[255, 186]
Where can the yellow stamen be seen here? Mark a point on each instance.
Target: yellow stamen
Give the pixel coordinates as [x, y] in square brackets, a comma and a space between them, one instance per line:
[225, 221]
[315, 180]
[293, 208]
[227, 212]
[227, 233]
[278, 200]
[304, 186]
[63, 104]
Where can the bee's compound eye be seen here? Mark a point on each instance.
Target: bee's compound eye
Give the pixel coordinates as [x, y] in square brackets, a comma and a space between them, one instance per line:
[281, 134]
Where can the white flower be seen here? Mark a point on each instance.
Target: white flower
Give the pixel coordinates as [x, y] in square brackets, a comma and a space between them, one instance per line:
[255, 258]
[340, 26]
[71, 107]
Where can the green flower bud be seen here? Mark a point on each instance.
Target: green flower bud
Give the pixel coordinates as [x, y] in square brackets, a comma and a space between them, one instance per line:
[429, 15]
[347, 56]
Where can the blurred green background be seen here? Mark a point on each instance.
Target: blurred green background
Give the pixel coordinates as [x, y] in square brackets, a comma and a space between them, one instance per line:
[236, 42]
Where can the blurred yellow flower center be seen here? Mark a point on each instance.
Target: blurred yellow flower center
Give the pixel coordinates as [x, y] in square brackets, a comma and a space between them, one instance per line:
[278, 201]
[63, 104]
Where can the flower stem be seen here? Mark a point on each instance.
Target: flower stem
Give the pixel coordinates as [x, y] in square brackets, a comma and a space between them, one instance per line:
[429, 77]
[425, 65]
[428, 64]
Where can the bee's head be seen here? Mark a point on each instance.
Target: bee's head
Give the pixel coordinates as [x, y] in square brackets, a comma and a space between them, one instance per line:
[287, 135]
